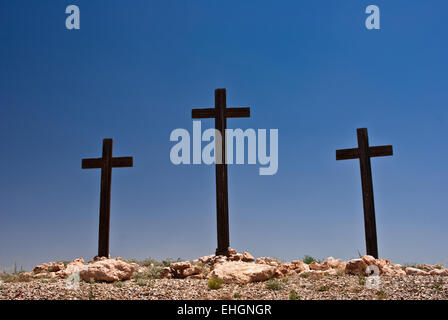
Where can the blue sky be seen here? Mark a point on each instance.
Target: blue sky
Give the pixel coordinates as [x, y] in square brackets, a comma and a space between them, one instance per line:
[134, 71]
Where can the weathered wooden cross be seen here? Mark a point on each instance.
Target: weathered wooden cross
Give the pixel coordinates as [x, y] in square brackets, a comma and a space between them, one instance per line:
[221, 113]
[364, 152]
[106, 163]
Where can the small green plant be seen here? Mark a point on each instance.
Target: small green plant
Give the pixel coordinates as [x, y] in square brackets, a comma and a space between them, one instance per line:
[130, 260]
[274, 285]
[381, 293]
[303, 286]
[141, 283]
[214, 283]
[91, 295]
[438, 286]
[140, 276]
[361, 280]
[326, 274]
[304, 275]
[149, 262]
[237, 295]
[44, 281]
[14, 278]
[309, 259]
[323, 289]
[438, 266]
[285, 280]
[154, 272]
[293, 295]
[167, 262]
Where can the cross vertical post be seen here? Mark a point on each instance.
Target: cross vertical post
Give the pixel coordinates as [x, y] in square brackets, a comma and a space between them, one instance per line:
[367, 193]
[106, 163]
[106, 182]
[222, 196]
[364, 152]
[221, 113]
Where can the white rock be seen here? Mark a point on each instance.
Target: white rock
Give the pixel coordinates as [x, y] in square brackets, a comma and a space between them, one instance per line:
[242, 272]
[416, 272]
[108, 270]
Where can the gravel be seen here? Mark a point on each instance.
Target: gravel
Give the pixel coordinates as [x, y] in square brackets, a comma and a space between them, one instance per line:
[313, 287]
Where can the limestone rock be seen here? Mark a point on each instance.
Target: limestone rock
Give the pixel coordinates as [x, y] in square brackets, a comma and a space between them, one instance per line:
[206, 259]
[369, 260]
[283, 270]
[381, 263]
[341, 267]
[247, 257]
[179, 266]
[242, 272]
[425, 267]
[392, 270]
[41, 275]
[165, 273]
[331, 262]
[220, 259]
[194, 270]
[268, 261]
[329, 272]
[439, 272]
[318, 267]
[75, 266]
[299, 266]
[49, 267]
[233, 256]
[356, 267]
[108, 270]
[415, 272]
[236, 257]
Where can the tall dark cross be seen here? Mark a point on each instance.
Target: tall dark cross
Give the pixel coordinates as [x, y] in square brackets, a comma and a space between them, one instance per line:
[364, 152]
[106, 163]
[221, 113]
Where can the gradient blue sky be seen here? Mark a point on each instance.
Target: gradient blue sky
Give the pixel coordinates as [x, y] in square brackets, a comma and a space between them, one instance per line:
[136, 69]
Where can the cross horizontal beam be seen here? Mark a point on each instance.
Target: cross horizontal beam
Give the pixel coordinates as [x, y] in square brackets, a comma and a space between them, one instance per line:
[122, 162]
[380, 151]
[94, 163]
[118, 162]
[243, 112]
[228, 113]
[203, 113]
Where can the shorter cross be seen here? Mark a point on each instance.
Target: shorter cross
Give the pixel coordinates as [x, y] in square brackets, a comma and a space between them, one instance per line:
[106, 163]
[364, 152]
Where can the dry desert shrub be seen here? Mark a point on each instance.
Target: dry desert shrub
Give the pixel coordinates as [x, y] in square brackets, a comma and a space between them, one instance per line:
[214, 283]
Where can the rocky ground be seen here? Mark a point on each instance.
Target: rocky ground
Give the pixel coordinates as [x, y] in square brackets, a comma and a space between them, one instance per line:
[238, 276]
[292, 287]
